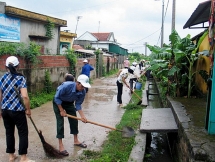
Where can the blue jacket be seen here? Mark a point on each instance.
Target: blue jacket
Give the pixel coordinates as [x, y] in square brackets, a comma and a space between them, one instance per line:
[86, 70]
[67, 92]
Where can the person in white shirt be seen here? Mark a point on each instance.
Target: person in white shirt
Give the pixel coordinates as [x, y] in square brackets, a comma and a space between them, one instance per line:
[133, 77]
[122, 75]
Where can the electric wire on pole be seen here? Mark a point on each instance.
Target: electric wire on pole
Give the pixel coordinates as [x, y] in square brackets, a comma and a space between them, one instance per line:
[162, 26]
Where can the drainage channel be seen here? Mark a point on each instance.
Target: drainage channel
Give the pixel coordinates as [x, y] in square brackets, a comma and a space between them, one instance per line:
[157, 143]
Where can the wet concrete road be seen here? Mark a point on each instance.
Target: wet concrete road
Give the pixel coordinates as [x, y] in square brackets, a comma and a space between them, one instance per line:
[100, 106]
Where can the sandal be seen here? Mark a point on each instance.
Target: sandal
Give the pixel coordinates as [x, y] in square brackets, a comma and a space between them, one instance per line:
[81, 145]
[64, 153]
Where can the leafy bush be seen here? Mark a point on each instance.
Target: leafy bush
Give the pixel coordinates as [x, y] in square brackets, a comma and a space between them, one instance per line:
[38, 99]
[28, 51]
[72, 58]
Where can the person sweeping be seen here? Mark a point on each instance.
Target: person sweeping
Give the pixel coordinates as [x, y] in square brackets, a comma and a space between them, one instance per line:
[134, 76]
[67, 100]
[12, 110]
[121, 79]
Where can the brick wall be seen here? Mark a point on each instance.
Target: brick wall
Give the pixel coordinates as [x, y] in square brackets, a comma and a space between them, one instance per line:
[57, 66]
[46, 62]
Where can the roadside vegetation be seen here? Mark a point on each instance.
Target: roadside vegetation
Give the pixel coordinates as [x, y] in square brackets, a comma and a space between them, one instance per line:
[116, 147]
[38, 99]
[172, 65]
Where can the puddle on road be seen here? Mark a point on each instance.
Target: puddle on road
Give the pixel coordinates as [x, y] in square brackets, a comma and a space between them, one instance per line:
[100, 106]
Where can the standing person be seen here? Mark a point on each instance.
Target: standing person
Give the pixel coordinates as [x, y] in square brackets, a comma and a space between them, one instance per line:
[86, 70]
[140, 64]
[67, 100]
[126, 64]
[122, 75]
[134, 76]
[12, 110]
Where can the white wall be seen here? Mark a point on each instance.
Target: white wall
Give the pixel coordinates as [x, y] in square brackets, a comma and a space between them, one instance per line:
[95, 45]
[34, 28]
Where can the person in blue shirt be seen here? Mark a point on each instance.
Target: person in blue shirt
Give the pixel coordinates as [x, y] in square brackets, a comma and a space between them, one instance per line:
[69, 77]
[67, 100]
[12, 111]
[86, 70]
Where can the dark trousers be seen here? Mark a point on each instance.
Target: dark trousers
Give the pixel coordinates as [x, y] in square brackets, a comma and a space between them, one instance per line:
[131, 82]
[18, 119]
[119, 93]
[70, 109]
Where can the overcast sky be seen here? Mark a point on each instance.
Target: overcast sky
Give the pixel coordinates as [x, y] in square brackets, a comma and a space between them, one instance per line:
[133, 22]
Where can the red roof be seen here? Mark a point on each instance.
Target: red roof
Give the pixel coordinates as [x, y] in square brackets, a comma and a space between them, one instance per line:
[101, 36]
[77, 47]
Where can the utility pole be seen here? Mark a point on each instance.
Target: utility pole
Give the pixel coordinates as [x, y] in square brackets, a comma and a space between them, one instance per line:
[99, 27]
[173, 14]
[145, 48]
[162, 26]
[78, 17]
[162, 23]
[98, 33]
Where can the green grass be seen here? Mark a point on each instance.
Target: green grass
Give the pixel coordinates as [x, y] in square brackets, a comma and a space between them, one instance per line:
[38, 99]
[116, 148]
[111, 72]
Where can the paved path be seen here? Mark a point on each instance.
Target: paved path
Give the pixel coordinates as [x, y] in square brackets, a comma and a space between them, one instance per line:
[100, 106]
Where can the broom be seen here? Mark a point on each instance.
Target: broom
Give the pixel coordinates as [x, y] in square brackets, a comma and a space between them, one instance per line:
[140, 100]
[49, 149]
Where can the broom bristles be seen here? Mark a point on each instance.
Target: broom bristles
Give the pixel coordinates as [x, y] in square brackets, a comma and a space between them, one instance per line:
[49, 149]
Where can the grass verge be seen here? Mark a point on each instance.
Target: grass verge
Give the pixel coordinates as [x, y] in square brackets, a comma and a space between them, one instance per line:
[116, 148]
[38, 99]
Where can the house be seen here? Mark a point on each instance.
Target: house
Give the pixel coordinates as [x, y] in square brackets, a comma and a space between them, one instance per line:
[201, 16]
[104, 41]
[19, 25]
[66, 41]
[203, 13]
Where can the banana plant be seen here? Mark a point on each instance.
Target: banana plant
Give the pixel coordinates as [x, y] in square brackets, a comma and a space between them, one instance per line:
[180, 55]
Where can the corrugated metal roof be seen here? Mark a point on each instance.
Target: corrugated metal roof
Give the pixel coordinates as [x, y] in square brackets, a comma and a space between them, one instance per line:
[200, 15]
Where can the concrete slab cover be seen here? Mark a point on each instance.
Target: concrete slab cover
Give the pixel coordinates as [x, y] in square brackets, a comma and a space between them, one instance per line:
[158, 120]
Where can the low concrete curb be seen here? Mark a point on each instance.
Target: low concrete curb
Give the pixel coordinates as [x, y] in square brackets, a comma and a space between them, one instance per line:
[138, 151]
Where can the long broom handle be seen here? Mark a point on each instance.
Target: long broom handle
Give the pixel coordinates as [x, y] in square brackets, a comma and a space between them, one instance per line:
[135, 94]
[21, 100]
[91, 122]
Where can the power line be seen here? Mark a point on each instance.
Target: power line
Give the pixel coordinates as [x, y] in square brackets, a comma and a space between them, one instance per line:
[163, 20]
[155, 31]
[143, 38]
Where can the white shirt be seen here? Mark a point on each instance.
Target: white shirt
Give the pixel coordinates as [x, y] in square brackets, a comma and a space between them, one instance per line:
[123, 74]
[136, 73]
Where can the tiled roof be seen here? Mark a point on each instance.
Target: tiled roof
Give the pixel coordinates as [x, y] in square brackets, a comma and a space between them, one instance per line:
[102, 36]
[77, 47]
